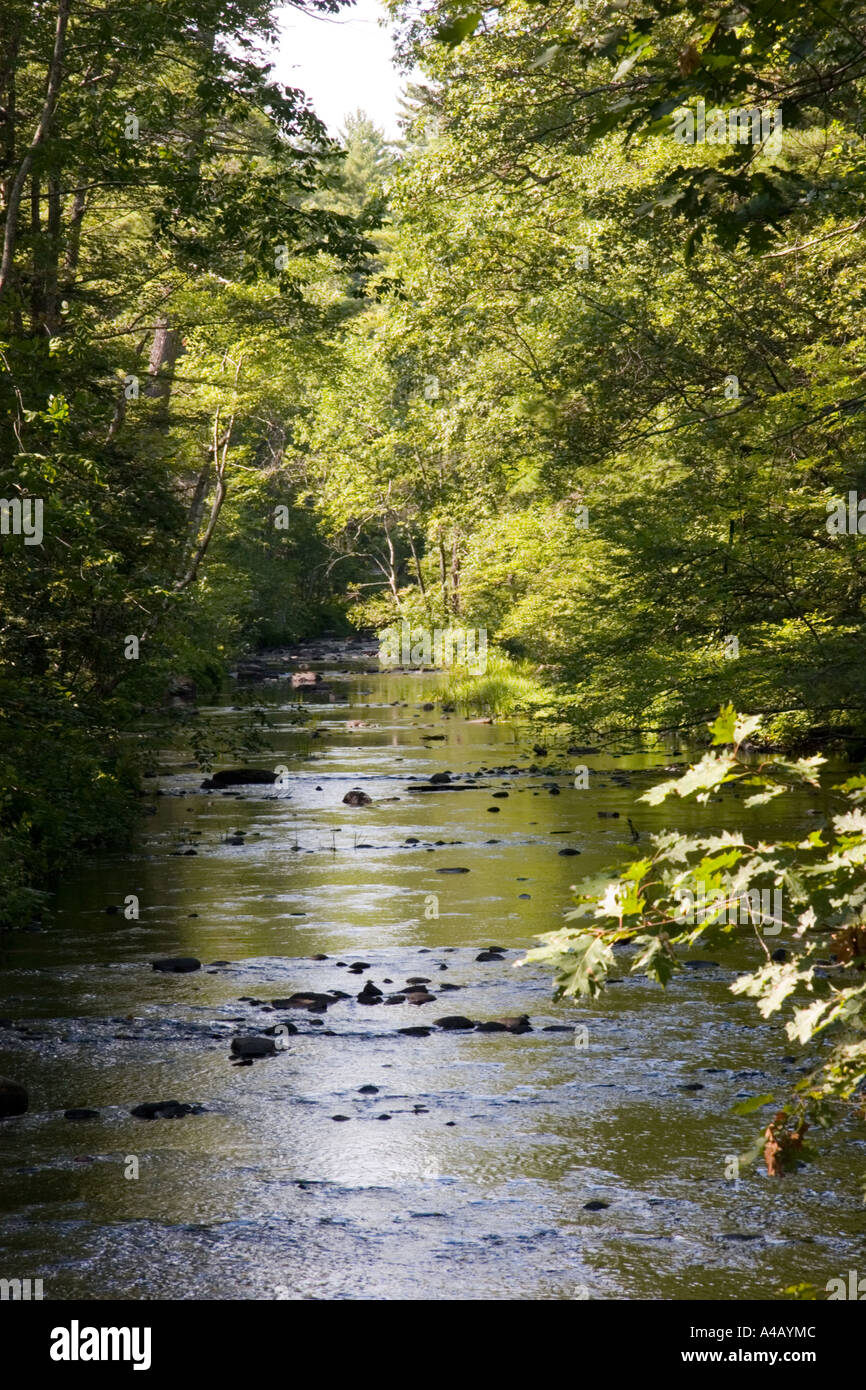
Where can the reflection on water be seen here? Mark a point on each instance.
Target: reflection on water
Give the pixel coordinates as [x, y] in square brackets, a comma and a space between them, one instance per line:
[476, 1184]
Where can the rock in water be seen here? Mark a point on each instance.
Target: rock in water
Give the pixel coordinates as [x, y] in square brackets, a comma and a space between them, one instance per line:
[454, 1021]
[313, 1003]
[181, 691]
[14, 1099]
[165, 1110]
[253, 1047]
[177, 965]
[302, 679]
[356, 798]
[239, 777]
[81, 1113]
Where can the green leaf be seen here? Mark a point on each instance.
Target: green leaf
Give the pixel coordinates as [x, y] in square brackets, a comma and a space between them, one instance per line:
[454, 33]
[748, 1107]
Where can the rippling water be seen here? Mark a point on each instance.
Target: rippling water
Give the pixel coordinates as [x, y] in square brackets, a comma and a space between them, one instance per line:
[476, 1184]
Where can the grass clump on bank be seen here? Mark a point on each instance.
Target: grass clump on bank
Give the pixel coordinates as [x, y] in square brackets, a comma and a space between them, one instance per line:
[507, 686]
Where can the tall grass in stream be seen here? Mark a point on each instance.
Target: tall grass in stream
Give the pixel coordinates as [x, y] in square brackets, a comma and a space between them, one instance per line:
[506, 687]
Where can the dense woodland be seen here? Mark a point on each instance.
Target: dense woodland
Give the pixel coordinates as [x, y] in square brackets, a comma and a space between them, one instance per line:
[539, 368]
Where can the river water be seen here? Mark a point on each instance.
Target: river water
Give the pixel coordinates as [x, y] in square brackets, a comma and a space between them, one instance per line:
[484, 1165]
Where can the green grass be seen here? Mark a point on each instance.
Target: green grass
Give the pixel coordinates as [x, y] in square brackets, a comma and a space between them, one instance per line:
[507, 687]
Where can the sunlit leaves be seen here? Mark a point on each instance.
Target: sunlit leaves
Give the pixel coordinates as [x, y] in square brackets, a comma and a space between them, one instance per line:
[696, 889]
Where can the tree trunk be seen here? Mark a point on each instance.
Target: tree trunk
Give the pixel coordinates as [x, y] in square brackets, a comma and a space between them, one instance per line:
[163, 355]
[49, 105]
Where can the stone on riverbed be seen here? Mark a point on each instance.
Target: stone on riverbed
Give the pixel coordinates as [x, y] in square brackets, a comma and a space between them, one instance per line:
[370, 994]
[520, 1024]
[177, 965]
[454, 1021]
[418, 995]
[313, 1003]
[14, 1099]
[165, 1110]
[239, 777]
[80, 1113]
[254, 1047]
[357, 798]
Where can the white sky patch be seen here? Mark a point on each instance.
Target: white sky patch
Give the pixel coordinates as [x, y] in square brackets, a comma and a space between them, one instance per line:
[342, 62]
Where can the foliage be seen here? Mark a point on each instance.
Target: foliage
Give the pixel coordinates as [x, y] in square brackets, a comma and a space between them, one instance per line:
[173, 255]
[697, 890]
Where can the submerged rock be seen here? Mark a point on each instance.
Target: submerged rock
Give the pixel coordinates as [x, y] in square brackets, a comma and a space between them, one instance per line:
[165, 1110]
[177, 965]
[306, 999]
[254, 1047]
[14, 1099]
[81, 1113]
[418, 995]
[239, 777]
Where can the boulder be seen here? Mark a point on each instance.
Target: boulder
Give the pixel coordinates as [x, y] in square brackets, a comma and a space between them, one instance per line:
[177, 965]
[454, 1021]
[519, 1024]
[313, 1003]
[165, 1110]
[181, 691]
[253, 1047]
[239, 777]
[303, 679]
[357, 798]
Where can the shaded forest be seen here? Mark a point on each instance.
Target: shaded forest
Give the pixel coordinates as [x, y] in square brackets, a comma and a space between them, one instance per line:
[540, 368]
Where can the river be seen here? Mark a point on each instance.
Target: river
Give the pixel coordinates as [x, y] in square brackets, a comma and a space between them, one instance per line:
[546, 1164]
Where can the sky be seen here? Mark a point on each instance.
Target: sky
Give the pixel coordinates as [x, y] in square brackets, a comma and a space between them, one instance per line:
[342, 62]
